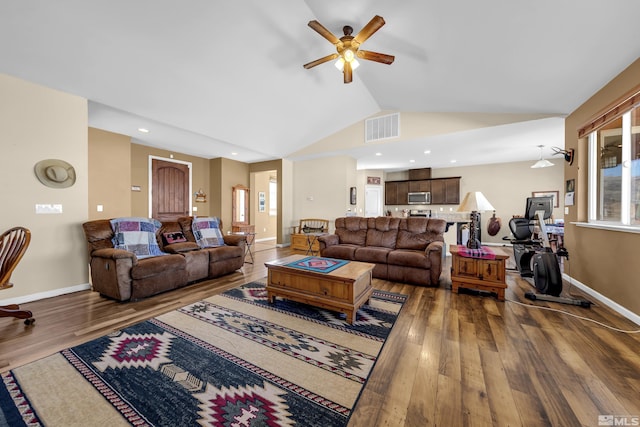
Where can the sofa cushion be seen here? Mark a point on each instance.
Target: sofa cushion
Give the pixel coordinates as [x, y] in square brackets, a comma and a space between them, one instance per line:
[417, 232]
[181, 247]
[207, 232]
[377, 255]
[340, 251]
[382, 232]
[408, 258]
[137, 235]
[157, 266]
[352, 230]
[223, 253]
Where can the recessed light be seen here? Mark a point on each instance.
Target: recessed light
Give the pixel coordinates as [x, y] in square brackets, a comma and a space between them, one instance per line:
[378, 154]
[234, 154]
[427, 151]
[143, 130]
[412, 161]
[453, 161]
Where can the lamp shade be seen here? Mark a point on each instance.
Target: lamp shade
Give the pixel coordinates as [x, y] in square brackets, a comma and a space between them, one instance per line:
[475, 201]
[542, 163]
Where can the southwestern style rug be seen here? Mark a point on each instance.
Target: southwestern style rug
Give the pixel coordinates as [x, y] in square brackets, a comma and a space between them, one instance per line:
[230, 360]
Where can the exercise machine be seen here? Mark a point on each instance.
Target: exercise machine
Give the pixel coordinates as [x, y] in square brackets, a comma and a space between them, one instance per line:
[535, 257]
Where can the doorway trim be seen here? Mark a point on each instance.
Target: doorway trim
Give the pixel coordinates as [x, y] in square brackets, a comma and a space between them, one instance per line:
[150, 178]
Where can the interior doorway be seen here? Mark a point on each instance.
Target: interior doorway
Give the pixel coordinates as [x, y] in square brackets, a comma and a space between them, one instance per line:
[264, 208]
[169, 188]
[372, 200]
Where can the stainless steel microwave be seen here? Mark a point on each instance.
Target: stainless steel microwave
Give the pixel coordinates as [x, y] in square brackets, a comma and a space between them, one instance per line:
[421, 198]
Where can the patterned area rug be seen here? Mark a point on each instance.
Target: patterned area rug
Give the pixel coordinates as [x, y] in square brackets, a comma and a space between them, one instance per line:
[230, 360]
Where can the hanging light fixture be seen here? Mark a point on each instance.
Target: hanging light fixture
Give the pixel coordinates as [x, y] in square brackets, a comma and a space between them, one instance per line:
[542, 163]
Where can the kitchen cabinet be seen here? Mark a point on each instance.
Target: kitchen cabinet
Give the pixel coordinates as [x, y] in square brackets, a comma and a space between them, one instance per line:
[396, 192]
[423, 185]
[445, 191]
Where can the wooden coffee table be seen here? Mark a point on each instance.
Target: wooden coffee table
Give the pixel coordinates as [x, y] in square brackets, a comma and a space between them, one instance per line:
[344, 289]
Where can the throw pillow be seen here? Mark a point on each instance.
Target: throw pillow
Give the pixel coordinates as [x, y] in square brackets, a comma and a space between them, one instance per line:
[173, 237]
[137, 235]
[207, 232]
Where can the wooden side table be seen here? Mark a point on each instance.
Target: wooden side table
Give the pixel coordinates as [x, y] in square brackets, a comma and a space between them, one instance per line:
[477, 273]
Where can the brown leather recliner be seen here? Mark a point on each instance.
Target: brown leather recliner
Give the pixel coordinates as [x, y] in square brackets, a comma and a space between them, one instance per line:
[119, 274]
[407, 250]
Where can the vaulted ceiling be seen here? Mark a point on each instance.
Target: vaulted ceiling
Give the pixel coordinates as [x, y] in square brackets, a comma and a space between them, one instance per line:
[211, 78]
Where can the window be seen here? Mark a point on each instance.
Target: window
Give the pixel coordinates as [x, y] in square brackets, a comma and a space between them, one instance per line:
[614, 171]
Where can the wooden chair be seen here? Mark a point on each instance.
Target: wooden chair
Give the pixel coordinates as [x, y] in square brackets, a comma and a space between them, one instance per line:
[313, 225]
[13, 244]
[302, 240]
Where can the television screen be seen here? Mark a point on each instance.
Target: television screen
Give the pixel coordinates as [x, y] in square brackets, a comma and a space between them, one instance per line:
[535, 204]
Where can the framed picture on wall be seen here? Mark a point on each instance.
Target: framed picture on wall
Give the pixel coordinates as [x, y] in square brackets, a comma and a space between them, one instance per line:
[352, 195]
[554, 194]
[261, 201]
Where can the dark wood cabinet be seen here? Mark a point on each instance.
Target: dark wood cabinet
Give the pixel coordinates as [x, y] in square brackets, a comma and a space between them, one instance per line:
[437, 192]
[452, 191]
[444, 191]
[423, 185]
[396, 192]
[419, 174]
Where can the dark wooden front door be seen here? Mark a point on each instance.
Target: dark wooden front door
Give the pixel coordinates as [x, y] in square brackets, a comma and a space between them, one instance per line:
[170, 190]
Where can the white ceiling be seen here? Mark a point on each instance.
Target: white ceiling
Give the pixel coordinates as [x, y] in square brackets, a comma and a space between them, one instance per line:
[210, 77]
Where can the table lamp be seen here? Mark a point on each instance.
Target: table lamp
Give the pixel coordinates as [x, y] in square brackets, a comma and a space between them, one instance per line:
[474, 202]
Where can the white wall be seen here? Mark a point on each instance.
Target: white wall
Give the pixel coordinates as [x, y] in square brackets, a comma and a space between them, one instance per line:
[38, 123]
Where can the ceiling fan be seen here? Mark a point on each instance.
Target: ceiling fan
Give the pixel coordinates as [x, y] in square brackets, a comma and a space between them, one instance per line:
[348, 47]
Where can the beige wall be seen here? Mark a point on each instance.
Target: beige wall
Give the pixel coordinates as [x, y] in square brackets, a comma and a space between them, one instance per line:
[139, 176]
[109, 174]
[321, 188]
[38, 123]
[606, 261]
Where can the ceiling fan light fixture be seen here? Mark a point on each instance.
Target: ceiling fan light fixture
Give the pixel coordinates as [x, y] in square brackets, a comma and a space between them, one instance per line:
[340, 63]
[348, 55]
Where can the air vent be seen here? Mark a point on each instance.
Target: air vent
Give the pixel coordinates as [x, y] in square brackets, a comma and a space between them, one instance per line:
[382, 127]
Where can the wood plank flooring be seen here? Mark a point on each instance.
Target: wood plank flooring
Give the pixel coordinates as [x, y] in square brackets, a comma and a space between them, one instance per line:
[451, 359]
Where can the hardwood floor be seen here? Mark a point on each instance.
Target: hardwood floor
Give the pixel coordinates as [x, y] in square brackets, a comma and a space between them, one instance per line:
[451, 360]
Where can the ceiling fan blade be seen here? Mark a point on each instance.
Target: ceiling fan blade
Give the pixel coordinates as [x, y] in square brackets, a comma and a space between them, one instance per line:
[375, 56]
[374, 25]
[320, 29]
[348, 72]
[321, 61]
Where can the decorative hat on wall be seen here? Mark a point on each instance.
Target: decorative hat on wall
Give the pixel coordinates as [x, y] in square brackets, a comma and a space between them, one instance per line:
[55, 173]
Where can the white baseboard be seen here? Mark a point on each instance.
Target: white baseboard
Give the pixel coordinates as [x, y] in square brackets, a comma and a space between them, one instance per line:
[604, 300]
[48, 294]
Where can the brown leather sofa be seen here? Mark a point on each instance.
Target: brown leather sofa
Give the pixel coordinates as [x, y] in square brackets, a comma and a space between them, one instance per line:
[119, 274]
[407, 250]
